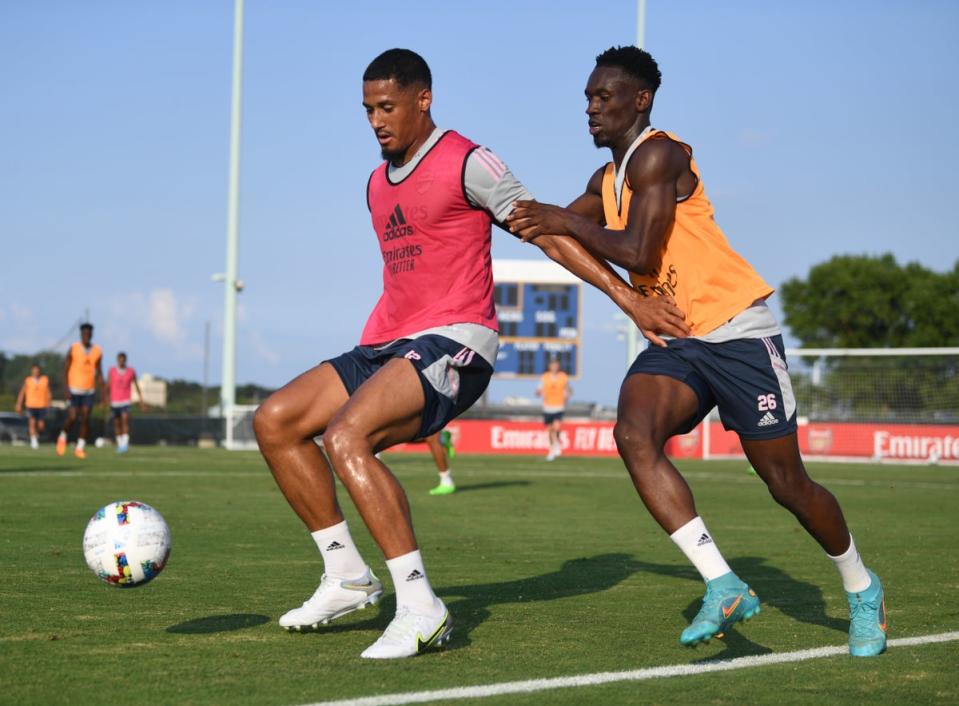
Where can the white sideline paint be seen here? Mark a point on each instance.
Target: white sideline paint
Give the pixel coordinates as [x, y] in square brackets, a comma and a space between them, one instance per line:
[675, 670]
[533, 473]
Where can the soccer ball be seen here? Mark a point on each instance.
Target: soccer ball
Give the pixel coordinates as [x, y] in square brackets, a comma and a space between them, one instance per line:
[126, 543]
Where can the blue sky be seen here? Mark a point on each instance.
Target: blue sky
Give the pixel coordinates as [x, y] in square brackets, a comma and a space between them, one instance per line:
[819, 128]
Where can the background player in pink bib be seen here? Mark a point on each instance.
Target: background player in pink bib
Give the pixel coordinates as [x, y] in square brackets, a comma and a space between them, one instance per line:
[426, 353]
[118, 389]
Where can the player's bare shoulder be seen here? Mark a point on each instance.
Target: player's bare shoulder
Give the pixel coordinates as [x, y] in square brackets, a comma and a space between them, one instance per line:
[657, 160]
[595, 184]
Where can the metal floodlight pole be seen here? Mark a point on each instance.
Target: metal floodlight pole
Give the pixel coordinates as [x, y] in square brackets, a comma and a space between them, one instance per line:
[641, 24]
[632, 333]
[228, 384]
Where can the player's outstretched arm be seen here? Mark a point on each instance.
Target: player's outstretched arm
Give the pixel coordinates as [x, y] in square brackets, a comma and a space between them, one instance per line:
[136, 384]
[490, 185]
[20, 398]
[66, 374]
[652, 174]
[653, 315]
[98, 381]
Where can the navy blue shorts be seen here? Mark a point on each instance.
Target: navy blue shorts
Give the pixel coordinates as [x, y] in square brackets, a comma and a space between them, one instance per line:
[550, 417]
[119, 410]
[82, 400]
[38, 413]
[746, 378]
[453, 376]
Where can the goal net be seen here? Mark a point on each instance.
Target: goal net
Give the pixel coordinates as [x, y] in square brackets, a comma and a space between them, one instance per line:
[889, 404]
[238, 433]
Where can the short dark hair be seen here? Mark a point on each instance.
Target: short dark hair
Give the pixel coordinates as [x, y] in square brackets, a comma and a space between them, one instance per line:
[405, 67]
[635, 61]
[121, 353]
[87, 326]
[35, 364]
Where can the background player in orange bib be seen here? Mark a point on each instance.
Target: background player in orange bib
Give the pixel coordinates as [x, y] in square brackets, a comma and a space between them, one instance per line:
[35, 395]
[647, 211]
[555, 390]
[84, 373]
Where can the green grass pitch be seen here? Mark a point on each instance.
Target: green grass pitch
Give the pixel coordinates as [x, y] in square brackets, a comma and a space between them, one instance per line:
[549, 569]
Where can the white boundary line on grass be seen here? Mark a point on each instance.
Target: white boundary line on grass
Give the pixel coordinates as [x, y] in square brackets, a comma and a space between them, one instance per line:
[53, 473]
[675, 670]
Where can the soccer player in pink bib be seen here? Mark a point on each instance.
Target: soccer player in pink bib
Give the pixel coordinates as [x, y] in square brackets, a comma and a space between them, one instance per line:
[425, 355]
[118, 389]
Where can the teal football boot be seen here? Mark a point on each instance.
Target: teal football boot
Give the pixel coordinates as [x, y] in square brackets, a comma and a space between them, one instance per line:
[727, 601]
[867, 620]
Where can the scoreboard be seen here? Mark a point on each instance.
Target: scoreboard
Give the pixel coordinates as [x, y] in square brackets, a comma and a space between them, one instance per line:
[539, 306]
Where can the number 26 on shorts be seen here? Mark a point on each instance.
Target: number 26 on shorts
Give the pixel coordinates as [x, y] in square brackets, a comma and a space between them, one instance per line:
[766, 402]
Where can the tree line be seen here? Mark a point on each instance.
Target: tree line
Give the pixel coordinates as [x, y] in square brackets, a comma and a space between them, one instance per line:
[857, 301]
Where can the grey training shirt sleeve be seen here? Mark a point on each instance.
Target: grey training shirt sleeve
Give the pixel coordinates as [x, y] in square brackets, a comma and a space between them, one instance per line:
[491, 185]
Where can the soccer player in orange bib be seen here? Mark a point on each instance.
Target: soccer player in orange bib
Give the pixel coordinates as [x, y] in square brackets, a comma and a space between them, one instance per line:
[83, 373]
[648, 213]
[555, 390]
[35, 393]
[425, 355]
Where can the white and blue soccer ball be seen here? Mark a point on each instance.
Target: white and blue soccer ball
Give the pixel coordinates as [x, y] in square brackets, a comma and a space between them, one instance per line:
[126, 543]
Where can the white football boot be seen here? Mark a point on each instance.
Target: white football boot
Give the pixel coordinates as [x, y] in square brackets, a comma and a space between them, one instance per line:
[334, 599]
[411, 633]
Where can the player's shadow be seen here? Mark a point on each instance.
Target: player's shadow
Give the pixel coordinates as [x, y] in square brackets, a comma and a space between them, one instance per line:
[470, 604]
[218, 623]
[576, 577]
[489, 486]
[798, 600]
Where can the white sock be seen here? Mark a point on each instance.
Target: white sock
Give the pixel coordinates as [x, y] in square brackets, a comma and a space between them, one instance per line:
[446, 478]
[413, 589]
[63, 435]
[341, 558]
[33, 440]
[81, 443]
[125, 439]
[698, 546]
[851, 569]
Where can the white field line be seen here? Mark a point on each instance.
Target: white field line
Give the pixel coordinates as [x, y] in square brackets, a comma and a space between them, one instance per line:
[52, 473]
[708, 475]
[530, 474]
[675, 670]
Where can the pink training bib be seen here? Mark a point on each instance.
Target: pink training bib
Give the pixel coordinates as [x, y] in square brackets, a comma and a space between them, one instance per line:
[437, 268]
[120, 383]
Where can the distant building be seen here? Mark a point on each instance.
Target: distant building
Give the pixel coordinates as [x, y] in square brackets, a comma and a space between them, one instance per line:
[154, 391]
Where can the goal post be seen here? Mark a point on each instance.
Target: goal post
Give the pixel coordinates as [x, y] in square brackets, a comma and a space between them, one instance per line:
[866, 404]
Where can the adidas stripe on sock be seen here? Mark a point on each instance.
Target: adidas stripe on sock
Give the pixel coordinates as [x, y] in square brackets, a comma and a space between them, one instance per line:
[341, 558]
[413, 588]
[698, 546]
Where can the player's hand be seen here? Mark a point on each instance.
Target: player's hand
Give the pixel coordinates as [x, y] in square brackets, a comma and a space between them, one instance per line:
[18, 408]
[142, 406]
[530, 219]
[655, 315]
